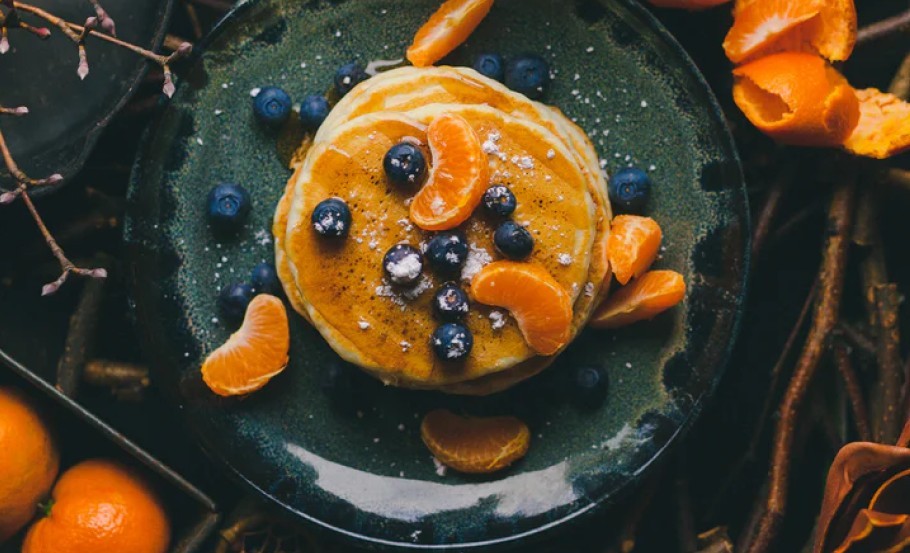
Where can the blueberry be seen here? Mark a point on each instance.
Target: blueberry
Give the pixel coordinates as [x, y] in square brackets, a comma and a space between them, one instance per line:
[348, 76]
[233, 300]
[404, 164]
[228, 206]
[490, 65]
[589, 385]
[528, 74]
[403, 264]
[447, 251]
[272, 106]
[451, 303]
[499, 200]
[452, 342]
[265, 279]
[332, 218]
[513, 240]
[630, 189]
[313, 111]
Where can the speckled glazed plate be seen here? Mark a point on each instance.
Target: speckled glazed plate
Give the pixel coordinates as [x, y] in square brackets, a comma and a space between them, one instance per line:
[356, 466]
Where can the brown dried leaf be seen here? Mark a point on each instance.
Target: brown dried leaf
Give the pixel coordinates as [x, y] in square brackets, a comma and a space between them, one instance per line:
[860, 469]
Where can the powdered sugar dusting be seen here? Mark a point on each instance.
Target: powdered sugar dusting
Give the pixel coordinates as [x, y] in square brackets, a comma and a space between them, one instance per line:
[478, 258]
[497, 319]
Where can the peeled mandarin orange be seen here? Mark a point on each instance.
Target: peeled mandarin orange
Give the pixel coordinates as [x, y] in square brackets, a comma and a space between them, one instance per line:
[633, 246]
[762, 27]
[458, 178]
[254, 354]
[884, 125]
[688, 4]
[644, 298]
[542, 308]
[451, 25]
[28, 464]
[100, 506]
[796, 98]
[475, 445]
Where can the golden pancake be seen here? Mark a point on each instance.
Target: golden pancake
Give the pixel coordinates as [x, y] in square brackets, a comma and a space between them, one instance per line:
[385, 330]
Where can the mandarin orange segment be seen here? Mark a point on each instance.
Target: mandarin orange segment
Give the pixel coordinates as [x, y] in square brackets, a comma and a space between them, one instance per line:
[458, 178]
[542, 308]
[688, 4]
[763, 27]
[451, 25]
[254, 354]
[475, 445]
[796, 98]
[642, 299]
[633, 246]
[101, 506]
[884, 125]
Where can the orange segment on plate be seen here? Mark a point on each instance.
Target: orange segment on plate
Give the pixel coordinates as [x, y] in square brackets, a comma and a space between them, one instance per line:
[475, 445]
[542, 308]
[688, 4]
[451, 25]
[884, 125]
[101, 506]
[633, 246]
[763, 27]
[459, 175]
[796, 98]
[644, 298]
[254, 354]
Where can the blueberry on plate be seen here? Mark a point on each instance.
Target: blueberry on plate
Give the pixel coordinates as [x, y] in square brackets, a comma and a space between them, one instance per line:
[272, 106]
[499, 200]
[265, 279]
[589, 385]
[403, 264]
[313, 111]
[228, 206]
[630, 189]
[447, 251]
[452, 342]
[451, 303]
[490, 65]
[528, 74]
[233, 300]
[405, 164]
[513, 240]
[332, 218]
[348, 76]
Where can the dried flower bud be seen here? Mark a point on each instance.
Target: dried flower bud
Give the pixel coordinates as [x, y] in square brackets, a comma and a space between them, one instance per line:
[184, 49]
[52, 287]
[82, 70]
[21, 110]
[4, 45]
[100, 272]
[41, 32]
[53, 179]
[169, 87]
[8, 197]
[108, 25]
[91, 23]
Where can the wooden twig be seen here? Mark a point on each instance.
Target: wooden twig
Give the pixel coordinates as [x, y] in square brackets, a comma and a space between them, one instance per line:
[635, 514]
[900, 84]
[886, 298]
[827, 310]
[884, 28]
[856, 338]
[854, 392]
[767, 215]
[80, 339]
[115, 374]
[688, 541]
[897, 177]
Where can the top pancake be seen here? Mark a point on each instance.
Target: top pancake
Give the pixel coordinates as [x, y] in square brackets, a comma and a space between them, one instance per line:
[345, 291]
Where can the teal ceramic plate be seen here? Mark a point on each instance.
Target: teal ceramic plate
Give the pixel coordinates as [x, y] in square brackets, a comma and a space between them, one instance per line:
[353, 462]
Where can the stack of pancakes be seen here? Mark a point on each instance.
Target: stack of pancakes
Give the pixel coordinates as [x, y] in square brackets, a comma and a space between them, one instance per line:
[338, 285]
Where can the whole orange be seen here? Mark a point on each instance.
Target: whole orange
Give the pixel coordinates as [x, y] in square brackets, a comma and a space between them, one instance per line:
[28, 463]
[100, 506]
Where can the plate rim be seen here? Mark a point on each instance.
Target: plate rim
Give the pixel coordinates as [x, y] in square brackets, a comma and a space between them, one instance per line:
[610, 498]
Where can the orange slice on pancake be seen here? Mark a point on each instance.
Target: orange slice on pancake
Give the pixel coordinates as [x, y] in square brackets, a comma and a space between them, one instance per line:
[458, 177]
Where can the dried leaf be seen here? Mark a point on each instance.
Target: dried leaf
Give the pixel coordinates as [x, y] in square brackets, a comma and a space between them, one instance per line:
[866, 529]
[860, 469]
